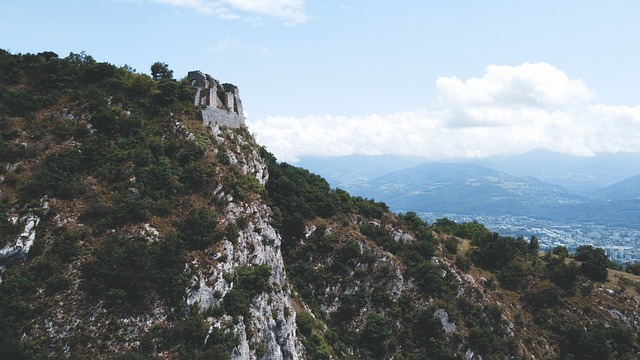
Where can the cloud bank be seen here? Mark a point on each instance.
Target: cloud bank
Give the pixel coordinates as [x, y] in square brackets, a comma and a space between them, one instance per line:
[510, 109]
[289, 11]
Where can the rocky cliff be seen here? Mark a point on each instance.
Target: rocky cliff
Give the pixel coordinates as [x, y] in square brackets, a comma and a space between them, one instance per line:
[134, 224]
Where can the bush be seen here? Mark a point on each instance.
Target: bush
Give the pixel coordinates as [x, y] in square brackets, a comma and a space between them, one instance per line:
[127, 272]
[594, 262]
[198, 228]
[514, 275]
[305, 323]
[496, 251]
[249, 282]
[544, 299]
[377, 335]
[58, 176]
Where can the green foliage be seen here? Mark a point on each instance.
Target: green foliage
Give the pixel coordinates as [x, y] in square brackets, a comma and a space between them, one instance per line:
[249, 282]
[560, 251]
[429, 279]
[65, 246]
[451, 245]
[487, 335]
[513, 276]
[297, 191]
[494, 251]
[305, 323]
[300, 195]
[18, 288]
[58, 176]
[633, 268]
[380, 236]
[463, 263]
[126, 209]
[160, 71]
[314, 342]
[185, 338]
[594, 262]
[198, 229]
[10, 151]
[543, 299]
[534, 245]
[445, 225]
[473, 231]
[617, 342]
[128, 272]
[562, 273]
[377, 336]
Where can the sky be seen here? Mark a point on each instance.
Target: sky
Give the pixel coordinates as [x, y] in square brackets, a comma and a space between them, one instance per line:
[443, 79]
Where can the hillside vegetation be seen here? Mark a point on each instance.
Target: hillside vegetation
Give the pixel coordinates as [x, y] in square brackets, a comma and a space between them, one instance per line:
[129, 230]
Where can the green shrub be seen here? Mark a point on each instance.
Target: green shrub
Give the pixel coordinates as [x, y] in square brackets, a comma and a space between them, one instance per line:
[249, 282]
[376, 337]
[198, 228]
[127, 272]
[594, 262]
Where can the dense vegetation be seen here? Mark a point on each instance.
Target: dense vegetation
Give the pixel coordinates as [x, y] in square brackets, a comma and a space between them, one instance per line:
[102, 139]
[324, 258]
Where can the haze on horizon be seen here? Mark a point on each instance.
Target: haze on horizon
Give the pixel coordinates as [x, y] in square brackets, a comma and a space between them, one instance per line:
[446, 81]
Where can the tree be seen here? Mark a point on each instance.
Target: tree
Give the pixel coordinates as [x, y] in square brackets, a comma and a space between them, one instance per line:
[594, 262]
[198, 228]
[160, 71]
[561, 251]
[534, 245]
[377, 335]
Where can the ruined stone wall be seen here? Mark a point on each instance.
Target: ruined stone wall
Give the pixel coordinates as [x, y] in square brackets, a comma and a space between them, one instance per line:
[212, 116]
[227, 111]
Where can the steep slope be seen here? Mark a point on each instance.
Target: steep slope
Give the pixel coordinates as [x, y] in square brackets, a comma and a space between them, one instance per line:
[129, 228]
[352, 173]
[628, 189]
[579, 174]
[369, 284]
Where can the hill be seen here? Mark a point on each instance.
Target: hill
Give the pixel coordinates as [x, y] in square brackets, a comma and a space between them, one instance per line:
[466, 189]
[582, 175]
[135, 224]
[628, 189]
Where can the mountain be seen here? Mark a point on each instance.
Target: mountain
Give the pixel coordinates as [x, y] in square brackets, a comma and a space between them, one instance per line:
[139, 219]
[582, 175]
[355, 171]
[466, 189]
[476, 189]
[628, 189]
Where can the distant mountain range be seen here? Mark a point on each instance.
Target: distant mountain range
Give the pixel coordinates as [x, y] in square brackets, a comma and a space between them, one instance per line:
[602, 189]
[467, 189]
[628, 189]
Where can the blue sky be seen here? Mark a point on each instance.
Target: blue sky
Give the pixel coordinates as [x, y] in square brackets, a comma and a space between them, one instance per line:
[441, 79]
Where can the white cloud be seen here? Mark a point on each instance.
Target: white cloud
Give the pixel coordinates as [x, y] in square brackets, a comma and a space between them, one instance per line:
[289, 11]
[508, 110]
[482, 101]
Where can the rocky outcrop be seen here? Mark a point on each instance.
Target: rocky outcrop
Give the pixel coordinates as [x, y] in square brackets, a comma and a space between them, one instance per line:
[272, 324]
[20, 249]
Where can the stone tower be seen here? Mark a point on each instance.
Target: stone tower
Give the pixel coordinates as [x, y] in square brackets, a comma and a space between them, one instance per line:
[220, 102]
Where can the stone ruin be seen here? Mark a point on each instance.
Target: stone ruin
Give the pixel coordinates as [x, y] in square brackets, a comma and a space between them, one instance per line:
[221, 102]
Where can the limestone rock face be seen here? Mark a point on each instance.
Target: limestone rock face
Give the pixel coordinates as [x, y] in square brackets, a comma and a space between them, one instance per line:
[20, 249]
[272, 322]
